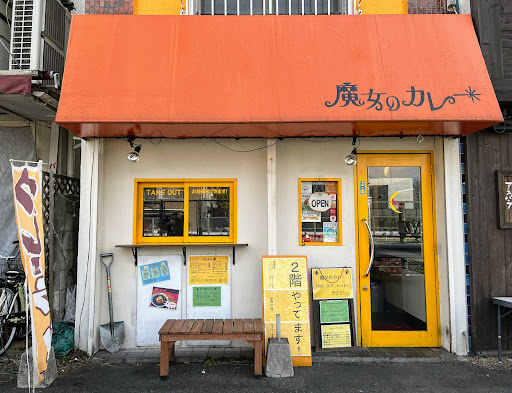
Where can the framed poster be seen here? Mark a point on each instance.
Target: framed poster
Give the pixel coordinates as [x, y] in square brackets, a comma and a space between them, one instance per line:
[286, 292]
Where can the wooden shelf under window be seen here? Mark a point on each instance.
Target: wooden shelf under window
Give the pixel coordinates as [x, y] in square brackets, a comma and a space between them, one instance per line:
[135, 247]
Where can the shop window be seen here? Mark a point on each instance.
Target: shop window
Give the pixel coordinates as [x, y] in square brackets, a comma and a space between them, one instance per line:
[320, 212]
[185, 211]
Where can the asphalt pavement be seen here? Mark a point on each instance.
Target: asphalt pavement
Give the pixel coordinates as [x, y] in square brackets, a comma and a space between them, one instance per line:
[358, 377]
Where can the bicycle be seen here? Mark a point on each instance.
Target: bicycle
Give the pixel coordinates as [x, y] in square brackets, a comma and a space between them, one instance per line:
[12, 302]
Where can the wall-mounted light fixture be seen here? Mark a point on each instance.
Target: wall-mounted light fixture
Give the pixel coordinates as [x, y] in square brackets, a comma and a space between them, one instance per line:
[351, 159]
[133, 156]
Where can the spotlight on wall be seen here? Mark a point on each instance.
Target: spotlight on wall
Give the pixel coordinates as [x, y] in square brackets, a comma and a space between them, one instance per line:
[134, 155]
[351, 159]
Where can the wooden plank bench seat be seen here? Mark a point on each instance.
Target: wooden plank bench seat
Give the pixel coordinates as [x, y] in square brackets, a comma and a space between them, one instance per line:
[250, 330]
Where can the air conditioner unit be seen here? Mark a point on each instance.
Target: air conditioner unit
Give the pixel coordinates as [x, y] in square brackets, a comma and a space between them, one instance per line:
[39, 36]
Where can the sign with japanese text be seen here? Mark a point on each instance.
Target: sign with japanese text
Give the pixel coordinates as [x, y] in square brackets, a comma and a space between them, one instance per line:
[296, 332]
[334, 311]
[27, 186]
[351, 94]
[286, 292]
[206, 297]
[208, 291]
[334, 283]
[336, 336]
[208, 269]
[504, 185]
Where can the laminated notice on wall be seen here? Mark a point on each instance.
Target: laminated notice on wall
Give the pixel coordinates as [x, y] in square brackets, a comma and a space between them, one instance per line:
[285, 292]
[208, 269]
[208, 291]
[154, 272]
[206, 297]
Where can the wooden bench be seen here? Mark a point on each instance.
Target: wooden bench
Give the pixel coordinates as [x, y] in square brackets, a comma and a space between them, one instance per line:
[250, 330]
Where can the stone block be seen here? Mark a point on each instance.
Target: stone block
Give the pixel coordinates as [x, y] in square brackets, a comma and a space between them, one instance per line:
[279, 359]
[24, 370]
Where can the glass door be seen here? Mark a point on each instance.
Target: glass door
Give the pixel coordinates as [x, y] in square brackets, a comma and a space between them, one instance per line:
[396, 251]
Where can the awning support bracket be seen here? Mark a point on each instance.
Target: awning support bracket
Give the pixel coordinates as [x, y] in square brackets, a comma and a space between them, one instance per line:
[135, 258]
[184, 256]
[234, 255]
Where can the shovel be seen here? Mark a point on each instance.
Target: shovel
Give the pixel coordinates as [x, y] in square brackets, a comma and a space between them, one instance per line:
[111, 334]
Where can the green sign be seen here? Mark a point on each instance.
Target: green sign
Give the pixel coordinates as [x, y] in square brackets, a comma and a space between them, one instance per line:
[334, 311]
[206, 297]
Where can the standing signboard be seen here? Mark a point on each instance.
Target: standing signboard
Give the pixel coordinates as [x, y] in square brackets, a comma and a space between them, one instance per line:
[286, 292]
[332, 297]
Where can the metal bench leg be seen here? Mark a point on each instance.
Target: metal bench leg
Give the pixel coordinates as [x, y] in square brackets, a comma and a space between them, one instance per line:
[258, 358]
[499, 333]
[164, 359]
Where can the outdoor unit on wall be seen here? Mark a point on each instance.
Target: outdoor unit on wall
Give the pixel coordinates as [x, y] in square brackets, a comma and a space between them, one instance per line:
[39, 35]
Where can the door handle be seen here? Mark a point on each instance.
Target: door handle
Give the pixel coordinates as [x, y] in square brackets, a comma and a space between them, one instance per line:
[372, 247]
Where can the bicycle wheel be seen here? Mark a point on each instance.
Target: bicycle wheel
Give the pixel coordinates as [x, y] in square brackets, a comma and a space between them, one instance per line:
[7, 298]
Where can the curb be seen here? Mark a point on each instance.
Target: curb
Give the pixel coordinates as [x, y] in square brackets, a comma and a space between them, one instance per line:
[316, 359]
[385, 359]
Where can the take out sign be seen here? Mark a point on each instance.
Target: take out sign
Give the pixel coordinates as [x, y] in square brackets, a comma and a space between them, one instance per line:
[320, 201]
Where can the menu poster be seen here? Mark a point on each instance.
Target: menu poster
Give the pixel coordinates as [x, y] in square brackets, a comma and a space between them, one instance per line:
[208, 269]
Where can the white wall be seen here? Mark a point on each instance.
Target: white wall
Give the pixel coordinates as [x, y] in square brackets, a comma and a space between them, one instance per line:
[296, 158]
[177, 159]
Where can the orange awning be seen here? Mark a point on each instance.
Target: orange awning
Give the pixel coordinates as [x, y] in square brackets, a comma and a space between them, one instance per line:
[275, 76]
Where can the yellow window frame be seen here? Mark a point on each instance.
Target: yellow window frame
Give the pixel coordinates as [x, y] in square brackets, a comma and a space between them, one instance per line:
[140, 184]
[338, 210]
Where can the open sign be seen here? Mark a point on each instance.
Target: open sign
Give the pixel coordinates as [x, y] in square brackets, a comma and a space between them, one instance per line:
[320, 201]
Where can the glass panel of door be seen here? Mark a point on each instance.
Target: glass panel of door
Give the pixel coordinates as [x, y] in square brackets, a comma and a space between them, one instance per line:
[397, 276]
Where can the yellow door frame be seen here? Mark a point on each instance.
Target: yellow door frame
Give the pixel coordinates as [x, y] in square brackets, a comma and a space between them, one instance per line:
[366, 337]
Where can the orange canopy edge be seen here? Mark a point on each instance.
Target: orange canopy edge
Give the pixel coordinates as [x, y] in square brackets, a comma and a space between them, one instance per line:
[275, 76]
